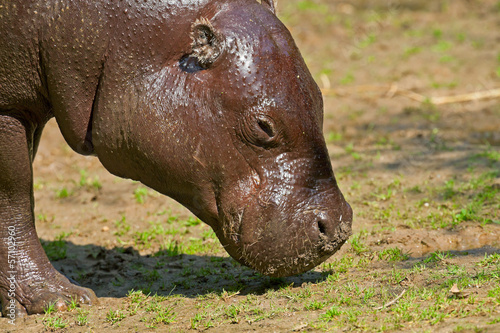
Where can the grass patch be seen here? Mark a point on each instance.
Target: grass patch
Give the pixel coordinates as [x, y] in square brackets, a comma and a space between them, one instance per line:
[56, 249]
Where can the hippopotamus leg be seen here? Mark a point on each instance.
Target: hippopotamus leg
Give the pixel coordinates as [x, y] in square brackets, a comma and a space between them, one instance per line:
[28, 281]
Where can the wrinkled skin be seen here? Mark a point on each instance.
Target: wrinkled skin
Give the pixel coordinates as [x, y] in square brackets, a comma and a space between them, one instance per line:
[208, 102]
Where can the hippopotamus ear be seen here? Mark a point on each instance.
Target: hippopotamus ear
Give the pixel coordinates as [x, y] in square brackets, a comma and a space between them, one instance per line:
[270, 4]
[206, 45]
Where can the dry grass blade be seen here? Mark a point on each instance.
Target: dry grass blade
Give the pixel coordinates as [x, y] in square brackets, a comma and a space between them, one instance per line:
[386, 305]
[227, 297]
[394, 90]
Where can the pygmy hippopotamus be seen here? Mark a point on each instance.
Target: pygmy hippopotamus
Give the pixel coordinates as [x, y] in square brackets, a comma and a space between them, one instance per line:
[206, 101]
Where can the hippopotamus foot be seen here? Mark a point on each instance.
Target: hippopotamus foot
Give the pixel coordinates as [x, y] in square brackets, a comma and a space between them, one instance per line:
[24, 297]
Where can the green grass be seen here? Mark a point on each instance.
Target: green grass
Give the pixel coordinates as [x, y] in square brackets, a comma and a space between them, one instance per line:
[347, 79]
[89, 182]
[56, 249]
[115, 316]
[82, 318]
[122, 226]
[438, 256]
[63, 193]
[140, 194]
[170, 248]
[54, 323]
[73, 303]
[393, 254]
[490, 260]
[357, 244]
[343, 299]
[308, 5]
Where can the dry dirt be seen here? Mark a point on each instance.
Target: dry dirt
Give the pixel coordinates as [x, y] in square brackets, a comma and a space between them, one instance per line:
[394, 158]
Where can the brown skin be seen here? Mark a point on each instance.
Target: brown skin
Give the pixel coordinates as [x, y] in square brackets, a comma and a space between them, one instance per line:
[210, 104]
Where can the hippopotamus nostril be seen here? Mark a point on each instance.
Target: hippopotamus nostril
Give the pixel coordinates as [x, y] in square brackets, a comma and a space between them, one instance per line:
[322, 227]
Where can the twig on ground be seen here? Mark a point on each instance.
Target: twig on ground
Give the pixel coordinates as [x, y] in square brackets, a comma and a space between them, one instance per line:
[475, 96]
[391, 302]
[392, 90]
[225, 298]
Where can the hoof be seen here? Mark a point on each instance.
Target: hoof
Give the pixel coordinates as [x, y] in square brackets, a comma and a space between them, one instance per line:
[30, 299]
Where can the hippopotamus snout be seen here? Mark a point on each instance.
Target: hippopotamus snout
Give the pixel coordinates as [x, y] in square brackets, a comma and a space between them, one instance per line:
[282, 235]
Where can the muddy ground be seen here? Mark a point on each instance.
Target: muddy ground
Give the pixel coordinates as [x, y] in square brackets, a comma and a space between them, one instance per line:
[423, 180]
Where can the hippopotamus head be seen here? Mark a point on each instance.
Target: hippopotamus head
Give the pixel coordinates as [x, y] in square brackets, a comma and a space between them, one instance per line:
[227, 120]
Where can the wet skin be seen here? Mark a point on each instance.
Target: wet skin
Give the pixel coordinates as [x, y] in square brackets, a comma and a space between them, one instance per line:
[209, 103]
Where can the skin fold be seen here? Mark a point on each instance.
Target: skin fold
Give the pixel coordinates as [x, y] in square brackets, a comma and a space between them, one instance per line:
[208, 102]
